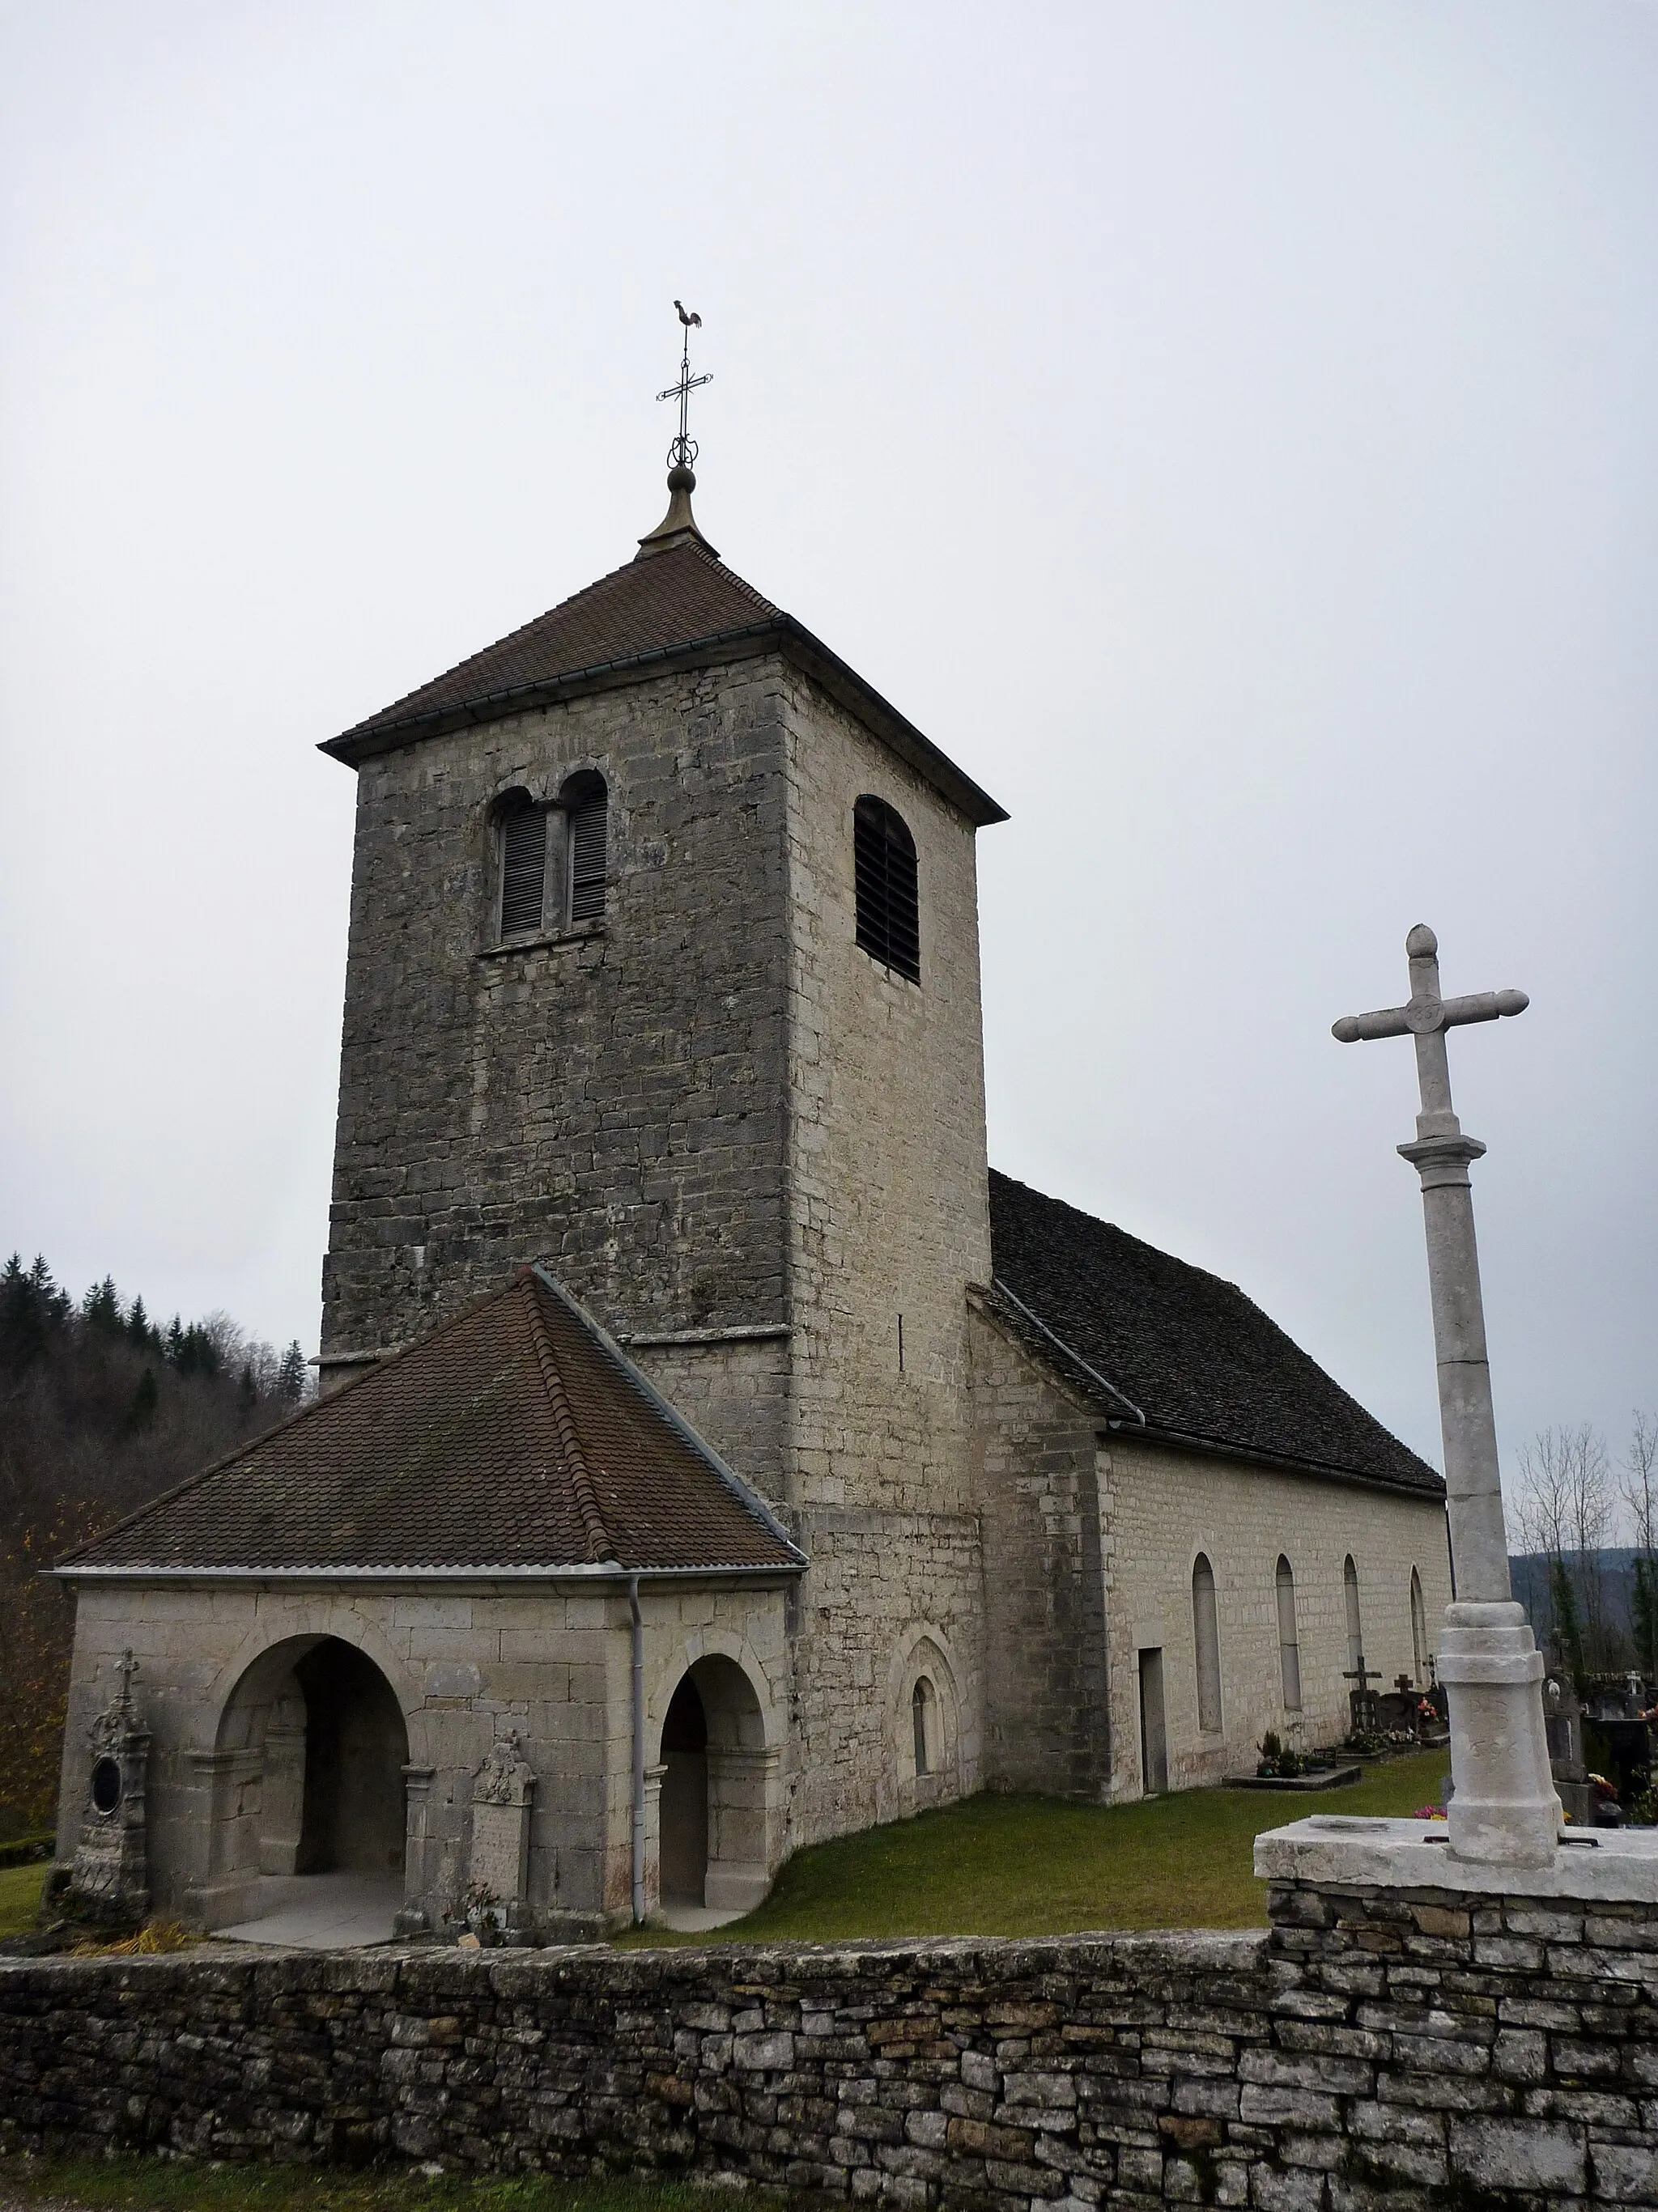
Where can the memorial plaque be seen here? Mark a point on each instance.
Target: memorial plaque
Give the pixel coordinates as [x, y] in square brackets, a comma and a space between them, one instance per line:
[503, 1787]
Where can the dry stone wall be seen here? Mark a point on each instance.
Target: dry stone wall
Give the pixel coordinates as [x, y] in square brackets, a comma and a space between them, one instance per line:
[1378, 2051]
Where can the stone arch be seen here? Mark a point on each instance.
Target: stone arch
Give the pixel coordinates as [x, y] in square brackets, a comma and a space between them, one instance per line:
[717, 1779]
[307, 1774]
[317, 1618]
[923, 1718]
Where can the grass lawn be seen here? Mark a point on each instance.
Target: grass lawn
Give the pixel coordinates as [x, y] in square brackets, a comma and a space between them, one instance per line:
[20, 1896]
[138, 2185]
[1033, 1866]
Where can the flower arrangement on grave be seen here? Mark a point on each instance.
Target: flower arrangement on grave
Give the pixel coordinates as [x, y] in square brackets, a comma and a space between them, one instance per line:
[1279, 1761]
[480, 1912]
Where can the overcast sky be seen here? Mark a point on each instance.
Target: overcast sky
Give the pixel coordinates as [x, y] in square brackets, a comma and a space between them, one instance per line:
[1228, 430]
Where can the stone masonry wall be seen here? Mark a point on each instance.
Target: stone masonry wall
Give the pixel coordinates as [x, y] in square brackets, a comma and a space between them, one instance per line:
[466, 1665]
[1163, 1507]
[888, 1217]
[1046, 1720]
[1090, 1538]
[609, 1099]
[1374, 2051]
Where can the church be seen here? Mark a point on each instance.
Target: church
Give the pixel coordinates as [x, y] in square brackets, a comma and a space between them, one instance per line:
[713, 1454]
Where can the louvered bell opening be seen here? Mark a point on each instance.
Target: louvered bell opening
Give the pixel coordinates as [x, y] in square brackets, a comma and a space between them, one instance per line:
[523, 871]
[888, 902]
[587, 862]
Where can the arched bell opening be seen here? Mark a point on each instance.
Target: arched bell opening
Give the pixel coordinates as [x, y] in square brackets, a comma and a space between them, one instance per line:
[716, 1775]
[307, 1778]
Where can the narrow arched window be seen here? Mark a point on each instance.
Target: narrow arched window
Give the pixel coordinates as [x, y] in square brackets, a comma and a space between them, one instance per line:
[923, 1704]
[1418, 1628]
[1206, 1637]
[523, 836]
[1349, 1587]
[888, 901]
[586, 803]
[1289, 1657]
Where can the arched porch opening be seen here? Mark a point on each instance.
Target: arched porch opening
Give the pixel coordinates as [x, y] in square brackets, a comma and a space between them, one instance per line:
[715, 1773]
[307, 1779]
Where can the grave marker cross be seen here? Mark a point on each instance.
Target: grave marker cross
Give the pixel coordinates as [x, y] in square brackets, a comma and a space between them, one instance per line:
[1504, 1808]
[1362, 1676]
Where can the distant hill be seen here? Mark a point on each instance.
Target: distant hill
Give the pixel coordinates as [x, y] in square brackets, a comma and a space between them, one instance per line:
[1604, 1593]
[101, 1408]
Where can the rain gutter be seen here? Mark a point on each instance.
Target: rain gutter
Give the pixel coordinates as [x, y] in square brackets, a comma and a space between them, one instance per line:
[638, 1639]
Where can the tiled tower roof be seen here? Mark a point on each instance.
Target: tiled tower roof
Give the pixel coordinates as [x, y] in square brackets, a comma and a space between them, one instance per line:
[679, 606]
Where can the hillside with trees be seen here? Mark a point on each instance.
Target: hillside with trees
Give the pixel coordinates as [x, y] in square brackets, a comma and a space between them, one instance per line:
[101, 1408]
[1587, 1528]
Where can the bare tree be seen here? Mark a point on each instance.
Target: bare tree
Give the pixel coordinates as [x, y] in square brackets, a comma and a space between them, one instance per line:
[1564, 1510]
[1637, 1484]
[1588, 1485]
[1543, 1501]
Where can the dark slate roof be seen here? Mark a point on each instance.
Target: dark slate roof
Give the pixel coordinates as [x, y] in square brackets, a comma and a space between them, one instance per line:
[676, 606]
[1144, 1334]
[517, 1435]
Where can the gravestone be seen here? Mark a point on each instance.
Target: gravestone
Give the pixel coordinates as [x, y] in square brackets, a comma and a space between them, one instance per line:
[503, 1785]
[1563, 1723]
[110, 1881]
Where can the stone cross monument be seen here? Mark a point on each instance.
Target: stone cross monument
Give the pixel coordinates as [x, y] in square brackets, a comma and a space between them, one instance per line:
[1503, 1808]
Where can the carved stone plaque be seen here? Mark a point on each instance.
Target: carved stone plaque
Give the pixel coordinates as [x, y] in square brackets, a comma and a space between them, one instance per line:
[503, 1787]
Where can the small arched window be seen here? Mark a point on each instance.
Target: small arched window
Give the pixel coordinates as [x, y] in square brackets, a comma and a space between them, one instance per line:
[1289, 1657]
[1350, 1586]
[1418, 1629]
[586, 804]
[1206, 1637]
[923, 1720]
[888, 901]
[523, 833]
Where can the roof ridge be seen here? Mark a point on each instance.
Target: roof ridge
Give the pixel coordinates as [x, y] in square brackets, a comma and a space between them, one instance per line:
[600, 1546]
[744, 1492]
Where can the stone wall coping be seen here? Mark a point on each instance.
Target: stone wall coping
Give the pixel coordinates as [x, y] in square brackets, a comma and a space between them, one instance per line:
[519, 1969]
[1615, 1864]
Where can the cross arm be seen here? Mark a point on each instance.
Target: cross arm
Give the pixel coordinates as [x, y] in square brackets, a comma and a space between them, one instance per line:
[1422, 1016]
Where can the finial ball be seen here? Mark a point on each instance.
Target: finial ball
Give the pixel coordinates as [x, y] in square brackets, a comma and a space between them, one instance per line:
[1422, 943]
[680, 478]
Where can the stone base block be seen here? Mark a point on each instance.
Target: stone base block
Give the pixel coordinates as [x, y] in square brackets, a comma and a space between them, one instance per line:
[734, 1885]
[1607, 1865]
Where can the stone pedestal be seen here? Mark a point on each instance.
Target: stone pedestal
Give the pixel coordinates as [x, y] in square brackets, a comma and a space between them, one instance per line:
[110, 1881]
[1606, 1866]
[1504, 1811]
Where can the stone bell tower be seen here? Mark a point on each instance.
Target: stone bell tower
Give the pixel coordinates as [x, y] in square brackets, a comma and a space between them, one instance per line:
[615, 1002]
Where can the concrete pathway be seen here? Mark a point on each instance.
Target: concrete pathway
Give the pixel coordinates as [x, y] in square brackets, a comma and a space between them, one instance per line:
[321, 1912]
[694, 1919]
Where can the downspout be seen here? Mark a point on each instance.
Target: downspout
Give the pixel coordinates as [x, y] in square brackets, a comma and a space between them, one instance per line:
[638, 1751]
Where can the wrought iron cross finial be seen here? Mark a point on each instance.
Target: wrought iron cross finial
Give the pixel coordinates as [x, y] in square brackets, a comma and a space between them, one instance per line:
[683, 450]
